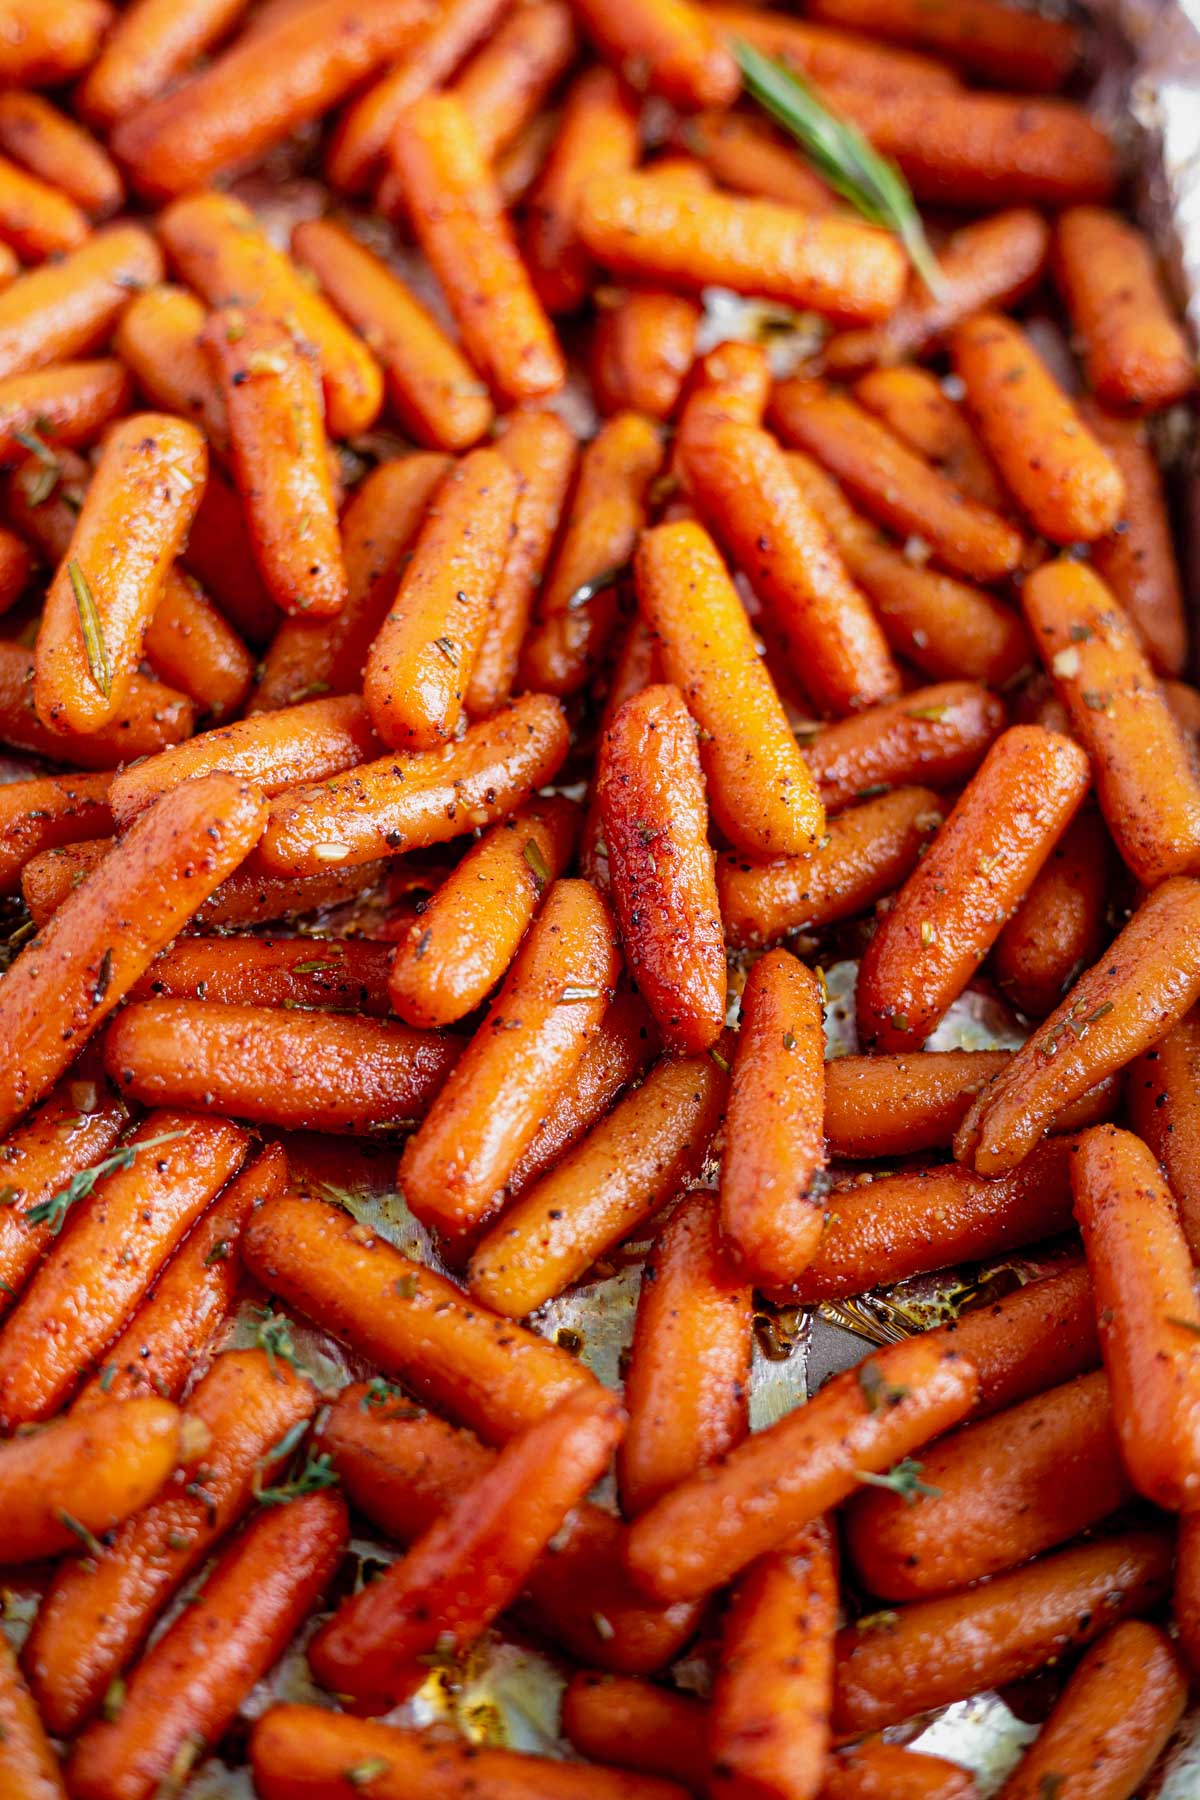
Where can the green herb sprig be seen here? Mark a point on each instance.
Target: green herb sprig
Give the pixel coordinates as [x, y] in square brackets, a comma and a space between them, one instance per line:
[53, 1212]
[89, 625]
[903, 1479]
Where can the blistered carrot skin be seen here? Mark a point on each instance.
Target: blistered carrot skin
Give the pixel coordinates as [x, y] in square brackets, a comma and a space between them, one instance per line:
[48, 41]
[1137, 560]
[1060, 926]
[419, 664]
[27, 1762]
[936, 735]
[642, 349]
[1111, 1721]
[1148, 789]
[937, 1651]
[303, 1752]
[83, 1476]
[460, 223]
[51, 809]
[151, 45]
[1162, 1096]
[1034, 1338]
[70, 977]
[874, 1770]
[69, 307]
[949, 912]
[67, 404]
[598, 135]
[338, 974]
[1134, 352]
[638, 1725]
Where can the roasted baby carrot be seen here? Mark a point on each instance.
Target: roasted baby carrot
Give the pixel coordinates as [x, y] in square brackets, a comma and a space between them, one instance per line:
[37, 221]
[875, 1770]
[750, 158]
[985, 37]
[1162, 1093]
[936, 735]
[598, 136]
[914, 406]
[27, 1761]
[48, 41]
[507, 82]
[340, 974]
[421, 660]
[150, 46]
[867, 852]
[638, 1725]
[1059, 927]
[1032, 1339]
[981, 865]
[63, 1485]
[653, 1141]
[151, 717]
[60, 150]
[782, 1478]
[1147, 786]
[158, 337]
[773, 1136]
[220, 556]
[1134, 352]
[1137, 559]
[686, 237]
[834, 57]
[70, 307]
[459, 220]
[1185, 1601]
[937, 1651]
[36, 815]
[669, 46]
[1142, 985]
[67, 404]
[108, 931]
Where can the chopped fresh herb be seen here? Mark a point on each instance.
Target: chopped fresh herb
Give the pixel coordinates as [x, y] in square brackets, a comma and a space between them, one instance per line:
[721, 1061]
[446, 646]
[934, 714]
[89, 625]
[406, 1286]
[90, 1542]
[274, 1338]
[877, 1391]
[317, 1473]
[311, 968]
[107, 1376]
[53, 1212]
[114, 1699]
[362, 1774]
[380, 1393]
[179, 1540]
[218, 1253]
[37, 446]
[900, 1021]
[599, 584]
[903, 1479]
[928, 933]
[41, 483]
[290, 1442]
[533, 856]
[877, 1621]
[9, 1195]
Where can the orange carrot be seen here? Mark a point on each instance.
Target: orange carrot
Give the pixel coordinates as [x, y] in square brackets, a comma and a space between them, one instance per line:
[1039, 1335]
[507, 82]
[48, 41]
[750, 158]
[638, 1725]
[671, 47]
[48, 810]
[158, 336]
[1135, 353]
[70, 307]
[1137, 560]
[1059, 927]
[837, 57]
[598, 136]
[37, 220]
[1185, 1601]
[935, 735]
[151, 716]
[912, 404]
[27, 1761]
[346, 974]
[1162, 1094]
[985, 37]
[69, 403]
[151, 45]
[642, 349]
[873, 1770]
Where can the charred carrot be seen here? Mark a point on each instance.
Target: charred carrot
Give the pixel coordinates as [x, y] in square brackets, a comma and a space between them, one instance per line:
[1135, 353]
[1059, 927]
[70, 307]
[1032, 1339]
[341, 974]
[1161, 1095]
[912, 404]
[638, 1725]
[27, 1761]
[985, 37]
[151, 45]
[49, 41]
[598, 136]
[937, 735]
[642, 349]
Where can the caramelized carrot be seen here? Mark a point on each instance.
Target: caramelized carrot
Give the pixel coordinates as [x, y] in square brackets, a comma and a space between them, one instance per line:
[1039, 1335]
[507, 82]
[346, 974]
[48, 810]
[150, 717]
[598, 136]
[1059, 928]
[873, 1770]
[152, 43]
[836, 57]
[672, 47]
[158, 337]
[36, 220]
[641, 351]
[49, 41]
[27, 1762]
[936, 735]
[1135, 353]
[1137, 560]
[1185, 1601]
[220, 556]
[638, 1725]
[69, 403]
[70, 307]
[985, 37]
[750, 158]
[912, 404]
[1161, 1095]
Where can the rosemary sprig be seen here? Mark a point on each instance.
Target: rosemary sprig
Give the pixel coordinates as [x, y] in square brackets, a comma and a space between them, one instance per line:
[904, 1479]
[318, 1472]
[89, 624]
[53, 1212]
[841, 155]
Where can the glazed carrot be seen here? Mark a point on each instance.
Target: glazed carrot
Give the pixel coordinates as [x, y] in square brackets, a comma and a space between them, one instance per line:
[29, 1766]
[259, 91]
[1059, 927]
[419, 664]
[984, 860]
[578, 606]
[303, 1752]
[773, 1136]
[99, 1611]
[985, 37]
[461, 226]
[689, 1367]
[598, 136]
[1134, 352]
[37, 220]
[653, 1141]
[708, 653]
[925, 1218]
[1032, 1339]
[769, 1720]
[53, 875]
[16, 567]
[508, 81]
[172, 1330]
[782, 1478]
[650, 792]
[638, 1725]
[431, 387]
[1148, 789]
[936, 735]
[70, 307]
[635, 668]
[108, 931]
[994, 1493]
[911, 403]
[403, 1468]
[150, 717]
[48, 41]
[1185, 1601]
[490, 1374]
[80, 1477]
[642, 349]
[48, 810]
[158, 336]
[150, 46]
[542, 454]
[982, 150]
[874, 1770]
[868, 851]
[277, 751]
[671, 47]
[191, 646]
[750, 158]
[741, 482]
[836, 57]
[640, 225]
[309, 1071]
[1061, 476]
[70, 403]
[346, 974]
[452, 955]
[1137, 560]
[947, 628]
[1162, 1093]
[60, 151]
[941, 1650]
[1114, 1716]
[895, 1105]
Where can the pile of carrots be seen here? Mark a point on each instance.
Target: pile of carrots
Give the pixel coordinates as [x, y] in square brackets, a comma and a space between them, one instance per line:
[449, 703]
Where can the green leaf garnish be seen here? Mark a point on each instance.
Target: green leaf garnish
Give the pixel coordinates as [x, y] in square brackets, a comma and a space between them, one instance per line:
[53, 1212]
[89, 624]
[904, 1479]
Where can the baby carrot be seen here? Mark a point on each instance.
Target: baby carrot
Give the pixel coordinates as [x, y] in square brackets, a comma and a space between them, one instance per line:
[985, 37]
[100, 1610]
[509, 79]
[77, 1478]
[60, 150]
[36, 220]
[993, 1494]
[341, 974]
[671, 47]
[158, 337]
[937, 735]
[982, 863]
[773, 1135]
[782, 1478]
[937, 1651]
[28, 1764]
[48, 41]
[431, 387]
[1162, 1094]
[419, 664]
[152, 43]
[866, 853]
[408, 802]
[108, 931]
[36, 815]
[1147, 786]
[689, 1366]
[69, 307]
[769, 1720]
[542, 454]
[1185, 1601]
[1059, 927]
[834, 57]
[874, 1770]
[912, 404]
[461, 226]
[750, 158]
[708, 653]
[186, 1691]
[653, 1141]
[220, 555]
[577, 609]
[69, 403]
[642, 348]
[1142, 985]
[150, 717]
[686, 237]
[260, 90]
[598, 136]
[1137, 560]
[1062, 477]
[309, 1071]
[650, 793]
[1104, 1736]
[1034, 1338]
[1134, 352]
[638, 1725]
